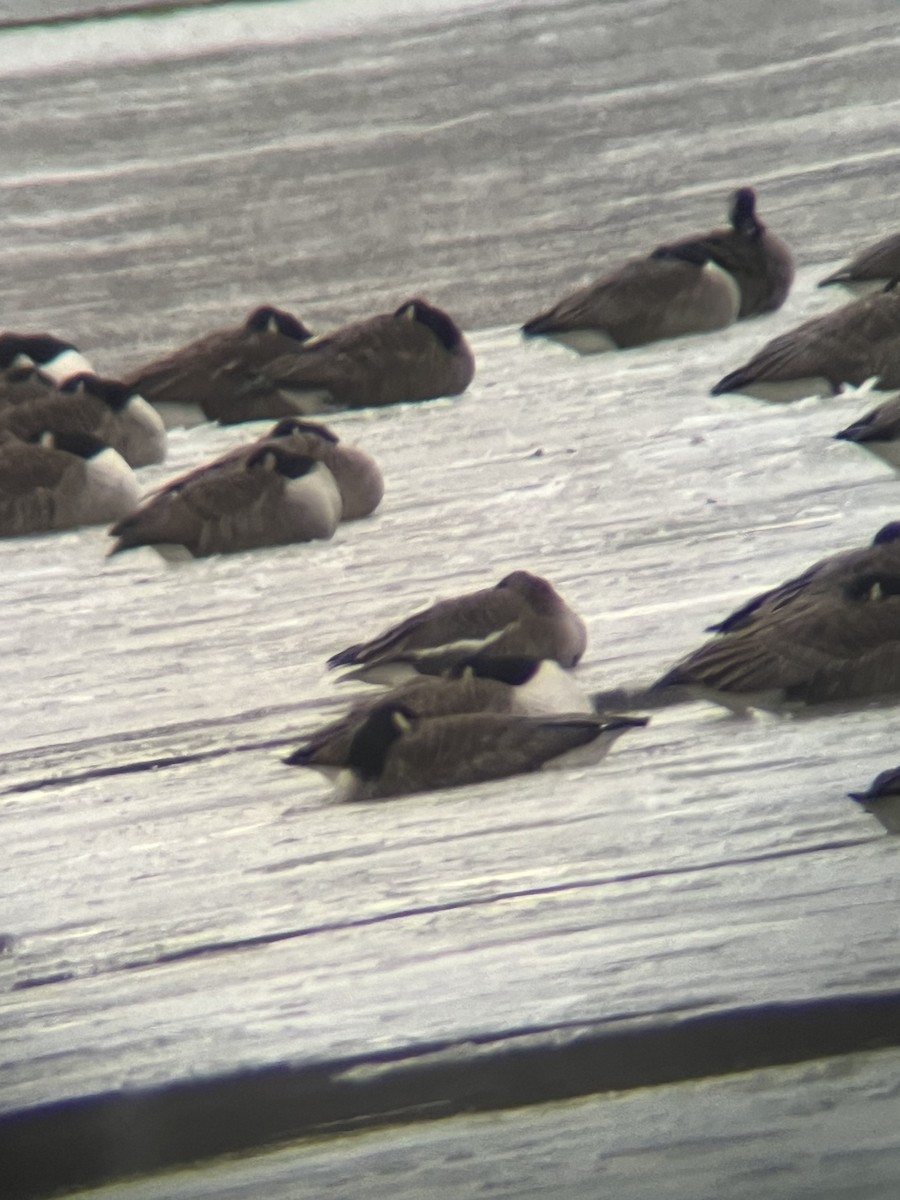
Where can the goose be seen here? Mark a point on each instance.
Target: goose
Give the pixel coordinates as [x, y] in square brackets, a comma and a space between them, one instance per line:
[356, 473]
[270, 497]
[662, 296]
[56, 359]
[204, 374]
[878, 431]
[480, 683]
[882, 799]
[522, 614]
[415, 353]
[852, 344]
[61, 481]
[395, 752]
[22, 382]
[871, 269]
[104, 408]
[832, 634]
[757, 259]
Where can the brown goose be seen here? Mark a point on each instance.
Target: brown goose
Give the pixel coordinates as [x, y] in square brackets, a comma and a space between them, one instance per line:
[665, 295]
[57, 360]
[61, 481]
[878, 431]
[482, 683]
[882, 799]
[871, 270]
[204, 374]
[522, 614]
[831, 634]
[18, 383]
[271, 497]
[756, 258]
[852, 344]
[104, 408]
[416, 353]
[396, 753]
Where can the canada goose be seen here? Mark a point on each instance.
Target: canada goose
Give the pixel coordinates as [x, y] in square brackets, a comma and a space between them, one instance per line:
[104, 408]
[356, 473]
[61, 481]
[849, 345]
[55, 359]
[205, 373]
[271, 497]
[878, 431]
[757, 259]
[882, 799]
[647, 299]
[522, 614]
[416, 353]
[830, 634]
[481, 683]
[396, 753]
[23, 382]
[871, 269]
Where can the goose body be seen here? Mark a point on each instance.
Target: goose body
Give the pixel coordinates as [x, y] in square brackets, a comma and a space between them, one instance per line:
[396, 753]
[832, 634]
[416, 353]
[851, 344]
[871, 270]
[204, 375]
[271, 497]
[104, 408]
[521, 615]
[757, 259]
[878, 431]
[645, 300]
[882, 799]
[483, 683]
[56, 359]
[61, 481]
[20, 383]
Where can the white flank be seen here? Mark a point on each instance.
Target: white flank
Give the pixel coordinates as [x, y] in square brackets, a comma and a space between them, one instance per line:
[783, 391]
[887, 811]
[584, 341]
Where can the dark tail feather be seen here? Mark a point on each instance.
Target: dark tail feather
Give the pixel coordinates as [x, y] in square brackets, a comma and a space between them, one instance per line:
[538, 325]
[731, 383]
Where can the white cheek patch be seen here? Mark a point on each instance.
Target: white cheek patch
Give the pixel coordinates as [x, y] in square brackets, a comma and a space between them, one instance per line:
[66, 364]
[111, 489]
[551, 690]
[146, 437]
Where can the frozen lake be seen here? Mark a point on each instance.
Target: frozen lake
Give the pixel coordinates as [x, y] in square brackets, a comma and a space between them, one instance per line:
[176, 903]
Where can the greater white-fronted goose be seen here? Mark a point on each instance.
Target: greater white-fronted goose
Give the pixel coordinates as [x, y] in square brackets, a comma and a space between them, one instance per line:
[396, 753]
[416, 353]
[521, 615]
[104, 408]
[877, 431]
[871, 270]
[757, 259]
[482, 683]
[852, 344]
[57, 360]
[204, 374]
[271, 497]
[61, 481]
[882, 799]
[645, 300]
[831, 634]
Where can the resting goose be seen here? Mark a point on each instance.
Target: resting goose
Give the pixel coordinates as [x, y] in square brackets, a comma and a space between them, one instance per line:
[104, 408]
[356, 473]
[647, 299]
[854, 343]
[521, 615]
[416, 353]
[831, 634]
[482, 683]
[871, 269]
[270, 497]
[878, 431]
[61, 481]
[23, 382]
[396, 753]
[757, 259]
[882, 799]
[205, 374]
[56, 359]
